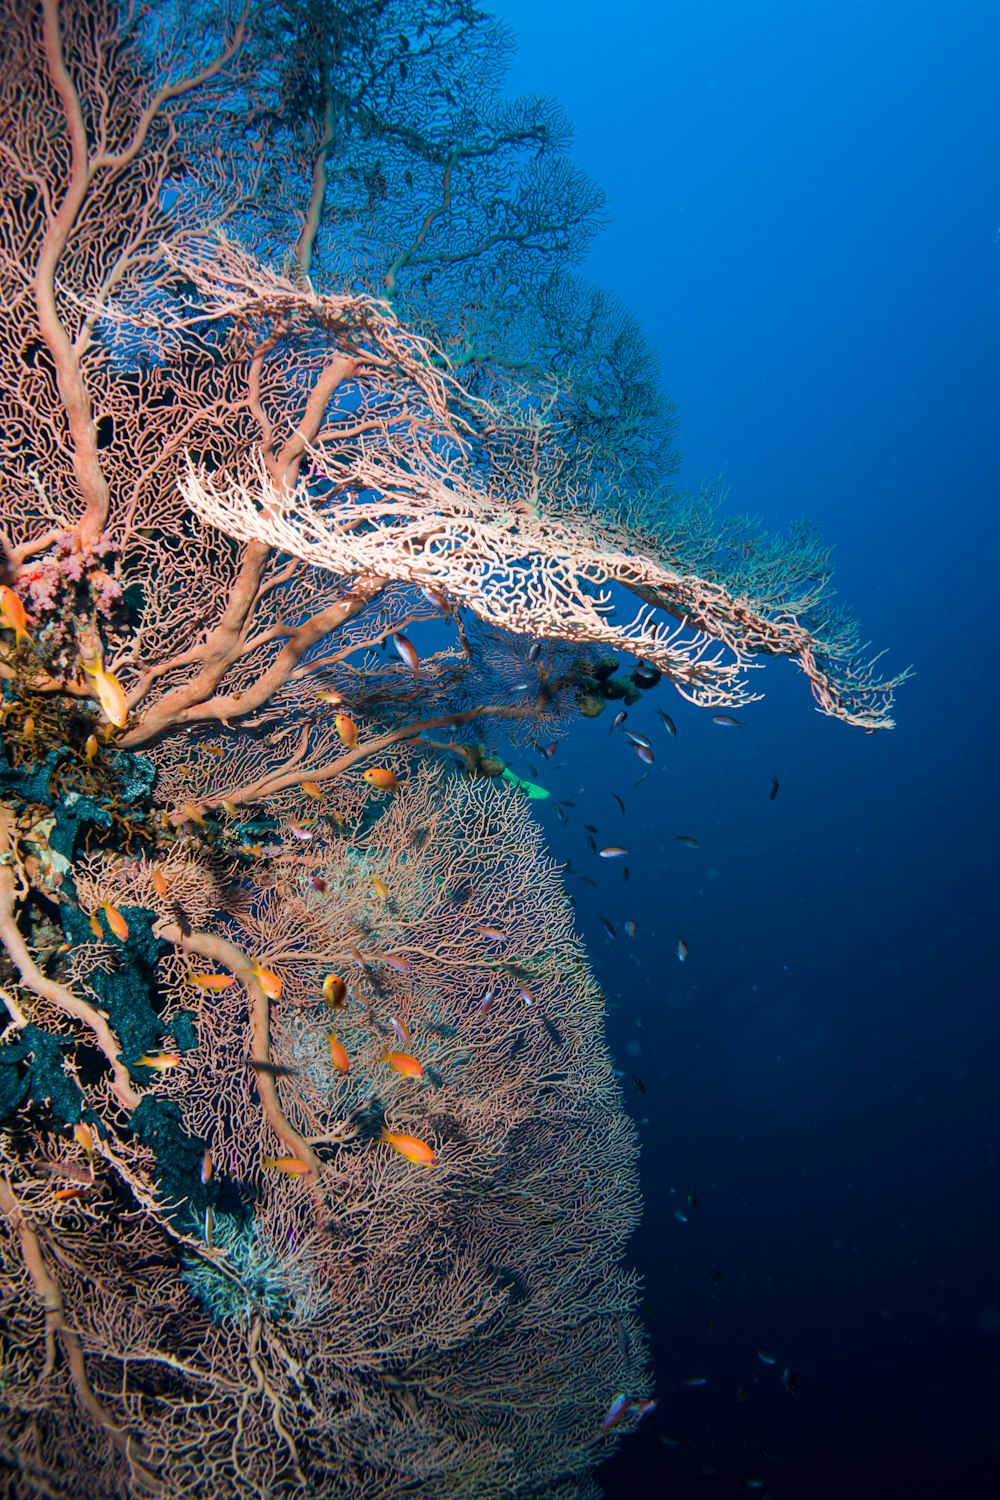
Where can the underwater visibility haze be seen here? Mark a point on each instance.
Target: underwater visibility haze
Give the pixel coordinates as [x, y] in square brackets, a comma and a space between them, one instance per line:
[496, 979]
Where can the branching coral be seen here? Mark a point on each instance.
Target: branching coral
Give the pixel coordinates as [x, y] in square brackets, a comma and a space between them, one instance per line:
[353, 1288]
[292, 363]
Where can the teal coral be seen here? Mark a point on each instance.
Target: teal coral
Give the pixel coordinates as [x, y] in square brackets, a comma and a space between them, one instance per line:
[44, 1080]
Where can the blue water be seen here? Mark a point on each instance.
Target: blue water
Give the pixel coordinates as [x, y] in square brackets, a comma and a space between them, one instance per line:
[805, 201]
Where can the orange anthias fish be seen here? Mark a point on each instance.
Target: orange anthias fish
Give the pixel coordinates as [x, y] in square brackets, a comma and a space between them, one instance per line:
[347, 730]
[287, 1164]
[328, 695]
[338, 1056]
[335, 991]
[382, 778]
[161, 1062]
[84, 1137]
[216, 982]
[64, 1193]
[191, 814]
[393, 961]
[379, 887]
[110, 695]
[12, 615]
[410, 1146]
[267, 979]
[115, 921]
[159, 881]
[311, 789]
[206, 1166]
[90, 749]
[403, 1063]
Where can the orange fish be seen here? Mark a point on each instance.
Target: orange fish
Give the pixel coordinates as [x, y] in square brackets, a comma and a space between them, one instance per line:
[410, 1146]
[90, 749]
[230, 807]
[346, 729]
[159, 881]
[404, 1064]
[288, 1164]
[379, 887]
[338, 1056]
[84, 1137]
[63, 1193]
[393, 961]
[382, 778]
[216, 982]
[115, 921]
[162, 1062]
[216, 750]
[311, 789]
[267, 979]
[327, 695]
[95, 925]
[110, 695]
[338, 820]
[12, 615]
[192, 814]
[206, 1166]
[335, 991]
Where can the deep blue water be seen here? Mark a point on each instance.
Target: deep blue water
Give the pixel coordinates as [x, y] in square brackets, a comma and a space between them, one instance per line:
[805, 200]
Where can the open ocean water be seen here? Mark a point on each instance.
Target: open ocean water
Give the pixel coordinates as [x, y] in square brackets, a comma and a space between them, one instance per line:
[804, 205]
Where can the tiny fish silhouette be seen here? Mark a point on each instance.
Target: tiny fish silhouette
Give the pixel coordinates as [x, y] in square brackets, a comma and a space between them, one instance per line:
[274, 1070]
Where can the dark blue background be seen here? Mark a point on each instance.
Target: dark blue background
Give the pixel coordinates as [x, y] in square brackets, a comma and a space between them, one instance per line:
[805, 202]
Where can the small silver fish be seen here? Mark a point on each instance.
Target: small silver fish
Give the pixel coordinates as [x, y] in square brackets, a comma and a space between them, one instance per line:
[619, 718]
[612, 851]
